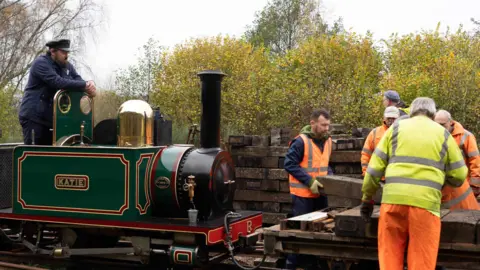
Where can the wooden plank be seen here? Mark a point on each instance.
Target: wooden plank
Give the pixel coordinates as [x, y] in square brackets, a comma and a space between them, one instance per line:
[278, 174]
[270, 185]
[338, 129]
[250, 173]
[352, 156]
[256, 162]
[262, 151]
[258, 140]
[338, 201]
[286, 208]
[281, 162]
[262, 196]
[271, 207]
[345, 187]
[239, 206]
[347, 168]
[460, 226]
[280, 136]
[273, 218]
[240, 140]
[350, 223]
[284, 186]
[249, 184]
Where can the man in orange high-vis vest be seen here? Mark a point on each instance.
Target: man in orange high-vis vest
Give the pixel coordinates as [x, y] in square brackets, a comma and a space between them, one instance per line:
[462, 197]
[390, 114]
[306, 159]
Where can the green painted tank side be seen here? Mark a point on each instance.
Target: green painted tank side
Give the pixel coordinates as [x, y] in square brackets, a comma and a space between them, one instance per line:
[164, 176]
[83, 182]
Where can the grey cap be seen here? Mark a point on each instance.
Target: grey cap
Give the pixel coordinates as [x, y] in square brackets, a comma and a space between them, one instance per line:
[392, 95]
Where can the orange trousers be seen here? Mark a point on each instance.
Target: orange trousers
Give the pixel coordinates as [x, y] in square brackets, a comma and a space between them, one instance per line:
[457, 196]
[396, 224]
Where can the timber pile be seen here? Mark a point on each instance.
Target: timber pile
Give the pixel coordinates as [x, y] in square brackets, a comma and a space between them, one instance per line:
[459, 226]
[262, 182]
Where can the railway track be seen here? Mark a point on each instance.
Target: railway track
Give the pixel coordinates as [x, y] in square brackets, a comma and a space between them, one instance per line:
[28, 261]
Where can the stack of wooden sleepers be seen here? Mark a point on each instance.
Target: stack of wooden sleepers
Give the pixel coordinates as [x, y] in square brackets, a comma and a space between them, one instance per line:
[262, 182]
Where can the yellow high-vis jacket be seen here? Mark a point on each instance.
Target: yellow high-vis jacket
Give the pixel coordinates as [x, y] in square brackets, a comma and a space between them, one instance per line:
[417, 157]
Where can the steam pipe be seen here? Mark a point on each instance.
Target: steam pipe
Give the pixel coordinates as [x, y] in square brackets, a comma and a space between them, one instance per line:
[211, 98]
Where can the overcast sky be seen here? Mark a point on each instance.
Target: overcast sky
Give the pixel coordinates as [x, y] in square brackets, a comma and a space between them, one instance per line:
[132, 23]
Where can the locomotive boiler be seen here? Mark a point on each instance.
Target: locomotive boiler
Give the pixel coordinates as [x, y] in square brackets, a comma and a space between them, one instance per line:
[167, 199]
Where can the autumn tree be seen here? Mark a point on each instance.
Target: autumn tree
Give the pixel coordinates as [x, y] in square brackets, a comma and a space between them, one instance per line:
[137, 80]
[25, 26]
[283, 24]
[445, 67]
[245, 88]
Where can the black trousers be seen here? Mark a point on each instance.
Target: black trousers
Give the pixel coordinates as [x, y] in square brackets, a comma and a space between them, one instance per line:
[301, 206]
[43, 135]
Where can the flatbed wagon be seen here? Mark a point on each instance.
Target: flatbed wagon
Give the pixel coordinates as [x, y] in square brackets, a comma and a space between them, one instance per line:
[345, 241]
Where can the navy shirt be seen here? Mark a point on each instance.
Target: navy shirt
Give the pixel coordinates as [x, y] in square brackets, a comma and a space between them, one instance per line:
[45, 79]
[295, 155]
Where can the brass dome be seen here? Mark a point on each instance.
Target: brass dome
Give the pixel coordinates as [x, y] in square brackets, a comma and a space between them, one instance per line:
[135, 124]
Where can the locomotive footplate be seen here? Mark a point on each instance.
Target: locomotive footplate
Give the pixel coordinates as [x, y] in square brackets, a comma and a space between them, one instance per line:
[213, 229]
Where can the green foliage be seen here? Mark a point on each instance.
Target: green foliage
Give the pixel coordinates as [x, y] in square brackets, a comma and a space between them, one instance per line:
[337, 72]
[283, 24]
[244, 89]
[9, 123]
[443, 67]
[137, 80]
[261, 92]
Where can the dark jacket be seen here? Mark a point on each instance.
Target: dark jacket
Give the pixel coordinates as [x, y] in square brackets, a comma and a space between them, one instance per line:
[295, 155]
[45, 79]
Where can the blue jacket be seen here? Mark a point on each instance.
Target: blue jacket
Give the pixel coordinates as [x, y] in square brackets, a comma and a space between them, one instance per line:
[295, 155]
[45, 79]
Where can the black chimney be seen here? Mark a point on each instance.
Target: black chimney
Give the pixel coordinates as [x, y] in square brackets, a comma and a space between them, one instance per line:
[211, 97]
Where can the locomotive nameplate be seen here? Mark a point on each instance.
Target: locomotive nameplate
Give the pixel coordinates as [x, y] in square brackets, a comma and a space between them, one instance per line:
[162, 182]
[71, 182]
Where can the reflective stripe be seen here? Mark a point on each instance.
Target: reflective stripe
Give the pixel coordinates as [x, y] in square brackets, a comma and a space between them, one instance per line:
[455, 165]
[321, 169]
[310, 158]
[374, 173]
[475, 181]
[443, 152]
[464, 137]
[298, 185]
[374, 136]
[380, 154]
[418, 160]
[473, 154]
[394, 138]
[448, 204]
[364, 164]
[410, 181]
[310, 155]
[368, 151]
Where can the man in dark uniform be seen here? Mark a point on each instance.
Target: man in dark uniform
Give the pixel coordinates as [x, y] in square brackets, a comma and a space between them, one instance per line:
[49, 73]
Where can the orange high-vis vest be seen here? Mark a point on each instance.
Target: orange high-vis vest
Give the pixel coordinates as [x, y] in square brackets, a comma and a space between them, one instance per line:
[314, 162]
[463, 197]
[369, 146]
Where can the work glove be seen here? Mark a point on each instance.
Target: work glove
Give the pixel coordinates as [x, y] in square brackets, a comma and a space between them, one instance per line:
[366, 210]
[315, 186]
